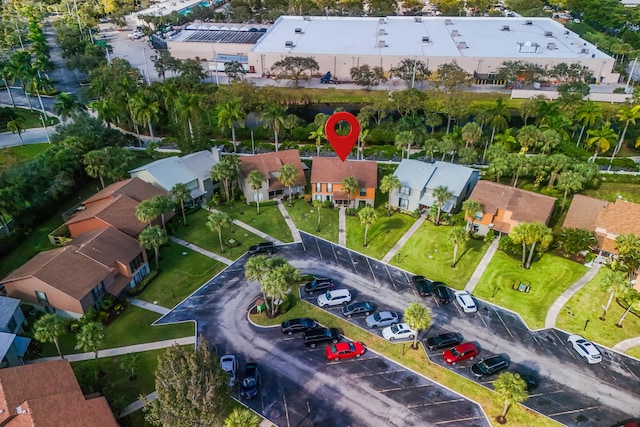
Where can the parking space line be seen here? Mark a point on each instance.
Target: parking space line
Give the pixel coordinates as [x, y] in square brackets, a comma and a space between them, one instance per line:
[355, 269]
[375, 279]
[502, 321]
[544, 394]
[535, 339]
[563, 344]
[573, 411]
[356, 359]
[390, 278]
[318, 246]
[444, 402]
[484, 322]
[387, 390]
[334, 254]
[373, 374]
[458, 420]
[629, 370]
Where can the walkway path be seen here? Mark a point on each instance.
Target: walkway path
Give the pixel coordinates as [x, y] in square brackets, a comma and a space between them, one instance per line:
[400, 243]
[342, 227]
[149, 306]
[484, 262]
[625, 345]
[554, 310]
[201, 250]
[292, 227]
[247, 227]
[137, 405]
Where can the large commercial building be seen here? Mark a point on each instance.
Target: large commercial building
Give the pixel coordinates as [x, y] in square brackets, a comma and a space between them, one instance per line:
[478, 44]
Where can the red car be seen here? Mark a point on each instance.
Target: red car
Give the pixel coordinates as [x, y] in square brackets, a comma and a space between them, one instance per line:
[460, 352]
[344, 350]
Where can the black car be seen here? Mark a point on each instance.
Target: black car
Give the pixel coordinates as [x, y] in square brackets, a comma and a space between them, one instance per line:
[531, 380]
[446, 340]
[316, 336]
[319, 284]
[250, 381]
[441, 294]
[423, 285]
[262, 248]
[364, 307]
[489, 366]
[298, 325]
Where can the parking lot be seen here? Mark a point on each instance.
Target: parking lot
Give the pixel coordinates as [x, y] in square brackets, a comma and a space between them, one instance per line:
[571, 391]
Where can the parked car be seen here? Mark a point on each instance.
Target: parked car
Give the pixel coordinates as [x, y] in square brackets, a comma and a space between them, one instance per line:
[361, 307]
[344, 350]
[445, 340]
[229, 365]
[250, 381]
[289, 327]
[334, 297]
[262, 248]
[490, 366]
[316, 336]
[586, 349]
[459, 353]
[441, 294]
[531, 380]
[318, 284]
[382, 319]
[423, 286]
[398, 332]
[464, 300]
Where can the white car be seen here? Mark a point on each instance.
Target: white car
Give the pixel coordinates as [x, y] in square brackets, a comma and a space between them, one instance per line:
[335, 297]
[465, 301]
[398, 332]
[135, 35]
[586, 349]
[229, 365]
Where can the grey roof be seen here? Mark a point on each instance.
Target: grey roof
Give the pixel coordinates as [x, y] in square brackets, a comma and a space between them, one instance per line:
[452, 176]
[218, 36]
[168, 172]
[414, 173]
[8, 307]
[200, 163]
[6, 340]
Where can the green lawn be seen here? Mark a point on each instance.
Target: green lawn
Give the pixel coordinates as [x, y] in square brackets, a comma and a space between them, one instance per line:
[269, 221]
[586, 305]
[549, 277]
[610, 192]
[382, 235]
[634, 352]
[429, 253]
[182, 271]
[199, 234]
[305, 217]
[32, 119]
[23, 152]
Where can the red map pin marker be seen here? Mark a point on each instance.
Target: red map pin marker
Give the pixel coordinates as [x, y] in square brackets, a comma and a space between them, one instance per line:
[342, 145]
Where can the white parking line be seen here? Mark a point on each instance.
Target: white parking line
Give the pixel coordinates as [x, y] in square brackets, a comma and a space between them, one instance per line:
[355, 359]
[444, 402]
[563, 344]
[458, 420]
[388, 390]
[318, 246]
[390, 278]
[485, 323]
[503, 324]
[573, 411]
[334, 254]
[544, 394]
[373, 374]
[375, 279]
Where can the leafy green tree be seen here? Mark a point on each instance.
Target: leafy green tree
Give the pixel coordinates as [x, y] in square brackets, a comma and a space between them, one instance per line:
[412, 71]
[627, 115]
[601, 139]
[216, 221]
[387, 185]
[180, 193]
[66, 105]
[368, 216]
[451, 77]
[528, 136]
[16, 125]
[317, 204]
[418, 318]
[367, 76]
[96, 164]
[228, 115]
[234, 70]
[471, 134]
[288, 176]
[441, 194]
[90, 338]
[510, 388]
[403, 141]
[273, 115]
[295, 68]
[573, 240]
[457, 236]
[350, 186]
[128, 363]
[242, 417]
[192, 388]
[49, 328]
[255, 179]
[153, 238]
[628, 247]
[614, 283]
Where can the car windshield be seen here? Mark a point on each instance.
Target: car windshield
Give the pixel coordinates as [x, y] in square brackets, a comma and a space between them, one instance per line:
[377, 317]
[306, 323]
[482, 366]
[352, 347]
[249, 382]
[455, 352]
[395, 329]
[334, 349]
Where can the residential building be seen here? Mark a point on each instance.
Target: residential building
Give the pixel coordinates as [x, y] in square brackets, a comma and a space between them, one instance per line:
[327, 174]
[269, 164]
[504, 207]
[74, 278]
[12, 346]
[419, 179]
[193, 170]
[48, 394]
[114, 206]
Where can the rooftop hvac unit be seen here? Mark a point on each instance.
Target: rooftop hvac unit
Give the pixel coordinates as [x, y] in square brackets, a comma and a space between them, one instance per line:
[381, 32]
[381, 44]
[505, 28]
[448, 22]
[551, 46]
[298, 30]
[528, 22]
[548, 34]
[584, 51]
[288, 43]
[382, 21]
[417, 19]
[455, 33]
[462, 45]
[306, 18]
[426, 39]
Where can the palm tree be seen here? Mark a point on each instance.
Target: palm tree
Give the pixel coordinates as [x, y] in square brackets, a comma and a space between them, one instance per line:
[96, 164]
[90, 338]
[106, 110]
[318, 205]
[601, 139]
[471, 134]
[510, 388]
[273, 116]
[226, 170]
[146, 211]
[318, 135]
[569, 180]
[49, 328]
[499, 118]
[180, 193]
[153, 238]
[255, 179]
[631, 297]
[628, 247]
[387, 185]
[528, 137]
[242, 417]
[145, 109]
[216, 221]
[349, 186]
[367, 217]
[228, 114]
[66, 105]
[418, 318]
[186, 107]
[470, 209]
[5, 76]
[17, 125]
[403, 140]
[441, 194]
[162, 204]
[288, 177]
[588, 114]
[277, 281]
[627, 115]
[457, 236]
[614, 283]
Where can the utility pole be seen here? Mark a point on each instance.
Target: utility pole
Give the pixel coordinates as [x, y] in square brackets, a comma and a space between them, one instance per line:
[633, 68]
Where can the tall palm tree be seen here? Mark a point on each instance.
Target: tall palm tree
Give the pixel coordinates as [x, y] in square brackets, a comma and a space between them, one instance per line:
[186, 108]
[19, 69]
[368, 216]
[470, 208]
[588, 114]
[96, 164]
[528, 136]
[162, 205]
[228, 114]
[145, 109]
[404, 139]
[273, 116]
[441, 194]
[216, 221]
[66, 105]
[90, 338]
[318, 135]
[387, 185]
[628, 115]
[106, 110]
[255, 179]
[146, 211]
[349, 186]
[5, 76]
[288, 176]
[418, 318]
[180, 193]
[601, 139]
[628, 247]
[499, 117]
[614, 283]
[457, 236]
[569, 180]
[153, 238]
[49, 328]
[317, 204]
[226, 171]
[510, 388]
[631, 297]
[17, 125]
[471, 134]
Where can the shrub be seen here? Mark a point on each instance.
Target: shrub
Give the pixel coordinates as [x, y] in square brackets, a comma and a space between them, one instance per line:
[326, 204]
[137, 290]
[416, 213]
[351, 211]
[490, 236]
[307, 198]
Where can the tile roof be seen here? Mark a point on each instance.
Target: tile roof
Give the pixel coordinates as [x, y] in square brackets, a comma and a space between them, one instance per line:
[108, 246]
[583, 212]
[135, 188]
[119, 213]
[333, 170]
[49, 395]
[525, 206]
[270, 163]
[620, 217]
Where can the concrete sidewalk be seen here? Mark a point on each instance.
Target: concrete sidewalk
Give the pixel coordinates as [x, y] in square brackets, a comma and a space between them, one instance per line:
[137, 405]
[201, 250]
[625, 345]
[342, 227]
[400, 243]
[148, 306]
[554, 310]
[247, 227]
[292, 227]
[486, 259]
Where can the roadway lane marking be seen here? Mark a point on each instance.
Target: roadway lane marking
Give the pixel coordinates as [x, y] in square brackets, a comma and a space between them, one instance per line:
[502, 321]
[573, 411]
[444, 402]
[387, 390]
[459, 419]
[373, 374]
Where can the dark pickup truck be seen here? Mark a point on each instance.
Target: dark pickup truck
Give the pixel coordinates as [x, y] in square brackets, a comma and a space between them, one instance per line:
[262, 248]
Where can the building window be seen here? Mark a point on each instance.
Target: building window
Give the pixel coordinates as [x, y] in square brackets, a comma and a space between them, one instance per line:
[403, 203]
[405, 191]
[363, 191]
[318, 187]
[136, 262]
[42, 297]
[479, 216]
[11, 326]
[98, 291]
[329, 187]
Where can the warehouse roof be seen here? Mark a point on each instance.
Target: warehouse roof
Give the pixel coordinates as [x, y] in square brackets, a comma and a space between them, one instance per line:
[470, 37]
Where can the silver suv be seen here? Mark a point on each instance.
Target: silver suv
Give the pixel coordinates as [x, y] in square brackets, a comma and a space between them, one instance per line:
[335, 297]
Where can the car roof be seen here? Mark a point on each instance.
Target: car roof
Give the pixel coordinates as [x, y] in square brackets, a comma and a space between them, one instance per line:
[494, 360]
[465, 346]
[338, 292]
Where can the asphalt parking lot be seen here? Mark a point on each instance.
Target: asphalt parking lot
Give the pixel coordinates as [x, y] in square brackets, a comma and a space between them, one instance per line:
[571, 392]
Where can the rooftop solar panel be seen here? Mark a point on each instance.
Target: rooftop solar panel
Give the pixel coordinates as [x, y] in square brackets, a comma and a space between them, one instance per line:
[220, 36]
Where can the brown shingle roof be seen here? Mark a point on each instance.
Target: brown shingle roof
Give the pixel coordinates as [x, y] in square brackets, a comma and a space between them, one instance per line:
[119, 212]
[107, 246]
[135, 188]
[270, 163]
[526, 206]
[333, 170]
[583, 212]
[620, 217]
